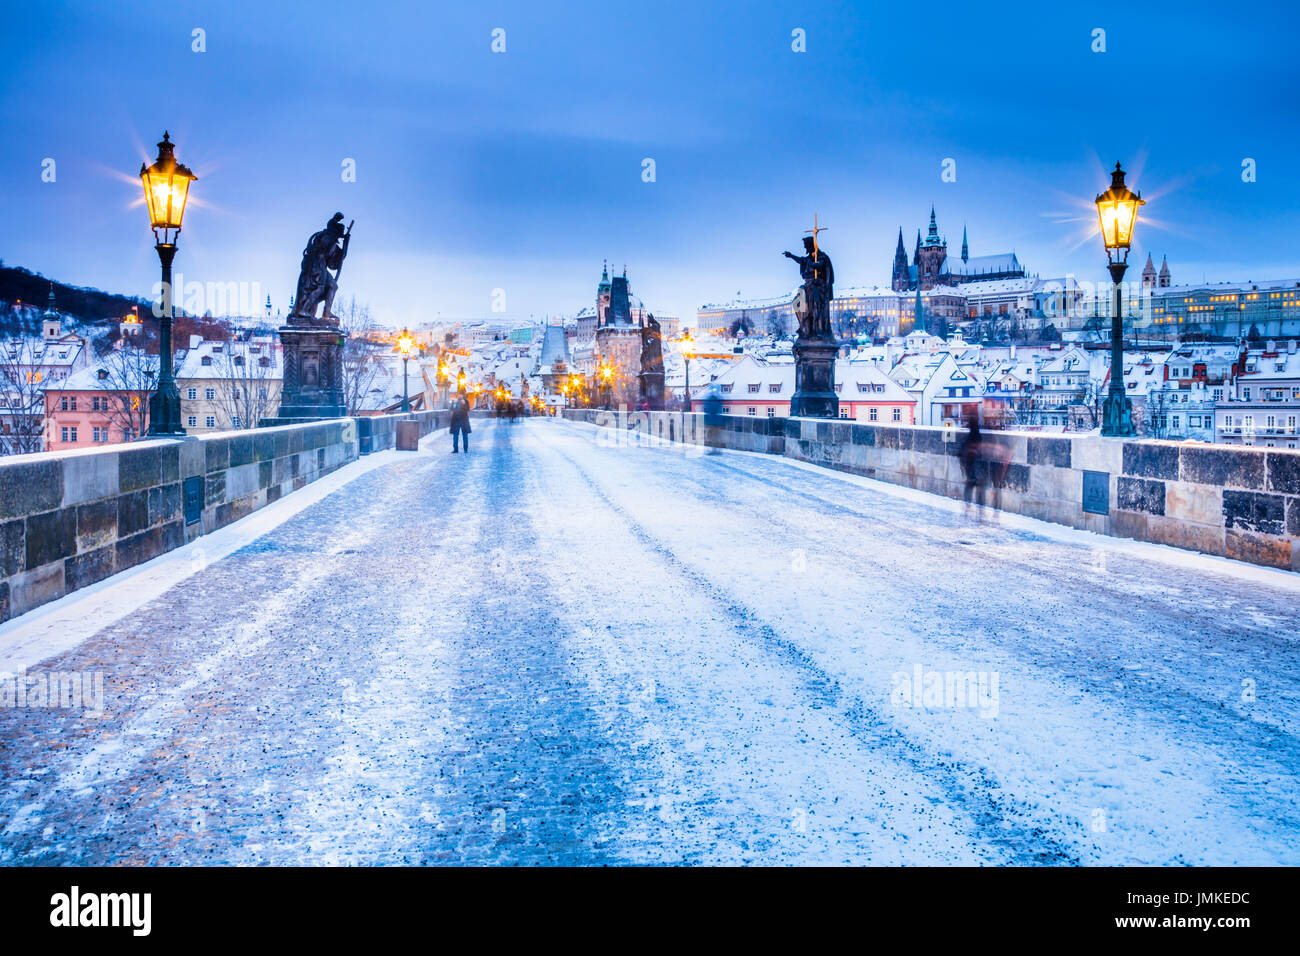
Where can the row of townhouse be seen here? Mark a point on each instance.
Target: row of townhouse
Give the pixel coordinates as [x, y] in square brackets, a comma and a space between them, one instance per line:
[757, 387]
[223, 386]
[28, 368]
[1262, 406]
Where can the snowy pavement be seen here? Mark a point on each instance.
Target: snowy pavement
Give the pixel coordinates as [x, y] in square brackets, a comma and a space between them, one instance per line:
[555, 651]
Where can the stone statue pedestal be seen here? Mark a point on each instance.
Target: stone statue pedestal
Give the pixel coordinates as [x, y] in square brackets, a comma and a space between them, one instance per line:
[652, 390]
[313, 374]
[814, 379]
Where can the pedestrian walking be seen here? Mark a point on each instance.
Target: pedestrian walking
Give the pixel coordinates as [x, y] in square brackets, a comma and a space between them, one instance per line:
[973, 464]
[460, 425]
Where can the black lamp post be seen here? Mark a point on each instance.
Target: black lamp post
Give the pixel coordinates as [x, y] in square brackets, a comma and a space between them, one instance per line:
[1118, 208]
[166, 187]
[405, 346]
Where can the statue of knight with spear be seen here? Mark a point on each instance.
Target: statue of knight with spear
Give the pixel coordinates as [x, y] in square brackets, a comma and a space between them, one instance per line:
[316, 285]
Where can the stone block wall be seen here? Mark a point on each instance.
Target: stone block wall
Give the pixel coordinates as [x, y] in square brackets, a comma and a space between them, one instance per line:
[1235, 501]
[70, 519]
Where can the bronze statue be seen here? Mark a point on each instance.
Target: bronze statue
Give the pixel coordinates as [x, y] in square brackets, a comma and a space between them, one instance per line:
[815, 347]
[652, 349]
[813, 304]
[652, 364]
[315, 283]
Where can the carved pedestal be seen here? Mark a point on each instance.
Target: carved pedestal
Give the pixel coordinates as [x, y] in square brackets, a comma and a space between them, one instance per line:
[652, 390]
[814, 379]
[313, 375]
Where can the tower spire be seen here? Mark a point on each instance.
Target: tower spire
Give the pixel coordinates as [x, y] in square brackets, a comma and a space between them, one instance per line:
[965, 252]
[918, 321]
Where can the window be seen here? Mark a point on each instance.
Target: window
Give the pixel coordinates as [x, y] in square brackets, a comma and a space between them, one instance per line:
[73, 433]
[65, 433]
[209, 393]
[726, 389]
[753, 387]
[234, 422]
[753, 410]
[74, 405]
[206, 360]
[63, 406]
[192, 421]
[1227, 421]
[1178, 421]
[1271, 421]
[192, 393]
[844, 411]
[94, 434]
[898, 414]
[873, 415]
[94, 405]
[771, 412]
[774, 387]
[210, 422]
[261, 392]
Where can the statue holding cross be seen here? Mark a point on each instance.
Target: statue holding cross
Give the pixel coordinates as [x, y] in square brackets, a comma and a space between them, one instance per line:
[815, 348]
[813, 304]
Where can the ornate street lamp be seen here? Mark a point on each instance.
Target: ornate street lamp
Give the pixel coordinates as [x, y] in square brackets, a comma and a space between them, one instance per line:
[686, 341]
[166, 187]
[606, 373]
[1118, 209]
[405, 346]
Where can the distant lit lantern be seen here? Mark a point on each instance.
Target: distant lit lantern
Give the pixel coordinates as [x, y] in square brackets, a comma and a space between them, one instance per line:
[166, 187]
[1118, 209]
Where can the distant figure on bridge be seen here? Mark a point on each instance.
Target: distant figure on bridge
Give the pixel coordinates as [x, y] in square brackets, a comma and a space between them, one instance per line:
[460, 425]
[984, 459]
[713, 420]
[973, 464]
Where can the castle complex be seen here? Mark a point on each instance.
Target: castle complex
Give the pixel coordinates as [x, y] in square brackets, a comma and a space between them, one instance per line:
[931, 266]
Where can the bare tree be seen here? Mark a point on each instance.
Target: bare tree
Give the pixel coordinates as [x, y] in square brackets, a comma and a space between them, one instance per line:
[247, 377]
[130, 374]
[364, 351]
[22, 398]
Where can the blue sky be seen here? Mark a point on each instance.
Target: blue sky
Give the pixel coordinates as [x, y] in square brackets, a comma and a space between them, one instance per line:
[521, 171]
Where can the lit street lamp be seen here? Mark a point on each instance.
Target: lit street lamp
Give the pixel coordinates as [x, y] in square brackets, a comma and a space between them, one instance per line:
[166, 187]
[686, 342]
[1118, 209]
[405, 346]
[606, 373]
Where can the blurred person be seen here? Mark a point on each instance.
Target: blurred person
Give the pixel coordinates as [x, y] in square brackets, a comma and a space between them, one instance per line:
[460, 426]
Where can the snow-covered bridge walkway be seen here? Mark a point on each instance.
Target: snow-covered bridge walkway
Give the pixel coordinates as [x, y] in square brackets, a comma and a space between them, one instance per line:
[552, 650]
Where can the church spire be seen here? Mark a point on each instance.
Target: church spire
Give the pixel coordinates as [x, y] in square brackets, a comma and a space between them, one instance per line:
[932, 237]
[918, 313]
[899, 279]
[965, 252]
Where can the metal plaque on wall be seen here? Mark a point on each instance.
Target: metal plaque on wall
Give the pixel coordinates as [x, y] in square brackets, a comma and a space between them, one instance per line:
[193, 499]
[1096, 492]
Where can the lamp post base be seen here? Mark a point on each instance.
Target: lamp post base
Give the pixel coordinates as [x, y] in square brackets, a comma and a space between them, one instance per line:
[165, 412]
[1117, 416]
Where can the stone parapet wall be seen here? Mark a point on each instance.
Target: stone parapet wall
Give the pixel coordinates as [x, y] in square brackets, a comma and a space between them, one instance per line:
[1234, 501]
[69, 519]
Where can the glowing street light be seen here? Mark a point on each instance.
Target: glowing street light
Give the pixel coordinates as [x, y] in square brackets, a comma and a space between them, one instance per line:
[686, 342]
[166, 188]
[1117, 208]
[405, 346]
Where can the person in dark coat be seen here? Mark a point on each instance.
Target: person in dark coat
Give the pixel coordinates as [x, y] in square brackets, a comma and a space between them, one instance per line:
[973, 463]
[460, 425]
[713, 409]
